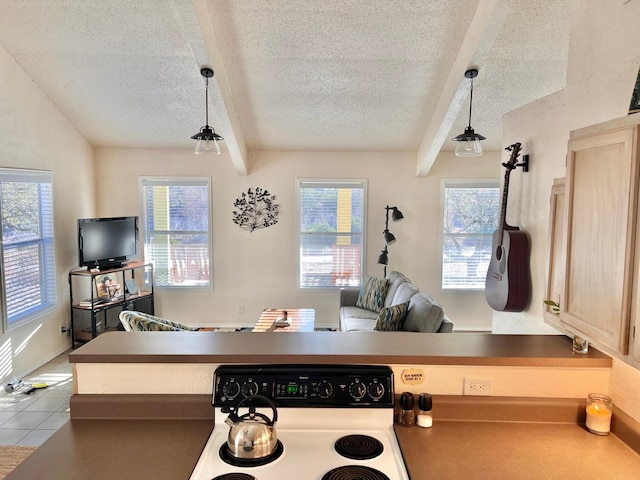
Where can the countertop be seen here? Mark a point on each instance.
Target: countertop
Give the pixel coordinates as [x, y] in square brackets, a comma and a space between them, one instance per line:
[336, 348]
[169, 450]
[454, 450]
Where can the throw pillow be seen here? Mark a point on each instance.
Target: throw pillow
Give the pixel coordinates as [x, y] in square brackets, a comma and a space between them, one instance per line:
[391, 318]
[372, 294]
[425, 314]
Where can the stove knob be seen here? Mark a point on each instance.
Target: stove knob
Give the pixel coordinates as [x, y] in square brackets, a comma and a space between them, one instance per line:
[231, 390]
[249, 389]
[357, 390]
[376, 390]
[325, 389]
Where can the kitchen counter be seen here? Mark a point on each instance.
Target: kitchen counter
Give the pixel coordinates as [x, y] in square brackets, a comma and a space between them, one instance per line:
[117, 449]
[454, 448]
[336, 348]
[142, 403]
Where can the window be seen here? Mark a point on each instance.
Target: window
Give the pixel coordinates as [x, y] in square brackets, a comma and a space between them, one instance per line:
[28, 262]
[470, 216]
[176, 227]
[330, 225]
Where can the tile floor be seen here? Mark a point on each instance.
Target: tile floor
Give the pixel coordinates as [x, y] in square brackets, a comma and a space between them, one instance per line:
[33, 418]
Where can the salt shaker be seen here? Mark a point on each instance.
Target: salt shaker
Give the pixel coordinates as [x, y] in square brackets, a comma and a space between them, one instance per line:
[425, 403]
[406, 414]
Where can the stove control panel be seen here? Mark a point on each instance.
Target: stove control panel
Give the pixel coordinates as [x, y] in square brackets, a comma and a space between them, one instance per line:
[305, 385]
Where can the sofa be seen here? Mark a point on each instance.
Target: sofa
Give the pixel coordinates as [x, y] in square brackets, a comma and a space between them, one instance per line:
[391, 304]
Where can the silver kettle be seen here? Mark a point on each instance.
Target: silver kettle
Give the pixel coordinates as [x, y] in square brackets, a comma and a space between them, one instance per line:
[252, 435]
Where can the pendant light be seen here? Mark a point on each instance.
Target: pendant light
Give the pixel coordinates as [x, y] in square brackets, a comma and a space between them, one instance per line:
[207, 138]
[469, 141]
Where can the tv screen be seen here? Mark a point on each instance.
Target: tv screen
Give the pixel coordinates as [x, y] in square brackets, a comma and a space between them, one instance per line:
[107, 242]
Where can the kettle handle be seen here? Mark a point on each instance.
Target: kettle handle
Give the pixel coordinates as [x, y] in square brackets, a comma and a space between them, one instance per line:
[266, 400]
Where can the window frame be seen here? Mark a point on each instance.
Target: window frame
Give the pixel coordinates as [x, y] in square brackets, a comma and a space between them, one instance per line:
[47, 269]
[302, 183]
[463, 183]
[153, 180]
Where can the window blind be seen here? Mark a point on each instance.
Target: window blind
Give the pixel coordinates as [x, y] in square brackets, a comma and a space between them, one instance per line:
[330, 232]
[470, 216]
[177, 230]
[28, 256]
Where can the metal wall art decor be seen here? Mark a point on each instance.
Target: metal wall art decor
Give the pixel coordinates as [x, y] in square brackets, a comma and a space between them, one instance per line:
[634, 107]
[255, 209]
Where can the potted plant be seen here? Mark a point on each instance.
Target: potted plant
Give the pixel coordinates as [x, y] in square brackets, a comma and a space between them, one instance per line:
[555, 307]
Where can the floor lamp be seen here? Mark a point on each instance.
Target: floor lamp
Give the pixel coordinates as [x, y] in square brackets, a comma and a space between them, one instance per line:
[389, 237]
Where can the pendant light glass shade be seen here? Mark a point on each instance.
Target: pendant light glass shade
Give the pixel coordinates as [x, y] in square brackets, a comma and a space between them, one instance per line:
[207, 138]
[468, 144]
[207, 141]
[469, 141]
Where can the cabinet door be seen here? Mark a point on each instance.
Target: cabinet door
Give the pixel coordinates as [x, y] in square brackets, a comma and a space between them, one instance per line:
[557, 235]
[600, 219]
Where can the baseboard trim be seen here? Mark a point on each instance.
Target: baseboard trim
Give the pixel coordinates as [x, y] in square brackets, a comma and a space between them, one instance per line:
[43, 362]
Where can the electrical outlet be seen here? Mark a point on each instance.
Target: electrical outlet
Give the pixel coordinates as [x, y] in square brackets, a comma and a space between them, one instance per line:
[241, 308]
[63, 330]
[478, 386]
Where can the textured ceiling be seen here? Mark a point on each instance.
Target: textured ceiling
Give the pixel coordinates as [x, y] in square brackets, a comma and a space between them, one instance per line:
[290, 74]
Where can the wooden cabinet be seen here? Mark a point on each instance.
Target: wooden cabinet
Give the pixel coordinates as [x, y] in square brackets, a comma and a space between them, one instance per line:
[599, 246]
[94, 311]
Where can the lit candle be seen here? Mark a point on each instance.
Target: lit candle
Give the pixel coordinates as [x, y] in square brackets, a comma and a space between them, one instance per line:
[599, 409]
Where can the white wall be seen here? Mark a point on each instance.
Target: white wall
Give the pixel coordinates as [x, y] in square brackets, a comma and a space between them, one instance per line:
[36, 135]
[604, 56]
[258, 269]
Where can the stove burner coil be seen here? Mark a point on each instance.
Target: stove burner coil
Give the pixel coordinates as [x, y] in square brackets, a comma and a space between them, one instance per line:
[235, 476]
[358, 447]
[354, 472]
[227, 457]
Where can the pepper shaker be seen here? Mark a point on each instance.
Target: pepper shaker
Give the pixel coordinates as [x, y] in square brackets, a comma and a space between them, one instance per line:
[406, 414]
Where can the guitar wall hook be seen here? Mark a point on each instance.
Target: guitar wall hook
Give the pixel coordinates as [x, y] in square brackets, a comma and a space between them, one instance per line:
[524, 164]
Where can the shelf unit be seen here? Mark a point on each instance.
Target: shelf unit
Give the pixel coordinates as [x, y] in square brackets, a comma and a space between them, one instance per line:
[92, 315]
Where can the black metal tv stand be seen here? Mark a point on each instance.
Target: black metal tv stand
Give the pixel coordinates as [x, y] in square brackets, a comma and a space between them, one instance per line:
[95, 308]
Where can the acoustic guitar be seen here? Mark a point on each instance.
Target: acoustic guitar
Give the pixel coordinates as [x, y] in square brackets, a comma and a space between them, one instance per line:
[508, 282]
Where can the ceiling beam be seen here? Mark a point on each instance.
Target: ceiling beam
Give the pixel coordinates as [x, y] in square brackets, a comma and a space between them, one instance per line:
[220, 92]
[482, 32]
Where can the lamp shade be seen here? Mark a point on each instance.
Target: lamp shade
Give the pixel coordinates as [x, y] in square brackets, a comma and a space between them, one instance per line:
[383, 259]
[389, 237]
[207, 141]
[468, 144]
[396, 214]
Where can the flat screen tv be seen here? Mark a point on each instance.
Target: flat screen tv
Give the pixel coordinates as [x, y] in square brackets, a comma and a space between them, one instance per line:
[107, 242]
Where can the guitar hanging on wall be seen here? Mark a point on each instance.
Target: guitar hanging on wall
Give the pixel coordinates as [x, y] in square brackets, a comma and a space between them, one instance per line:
[508, 282]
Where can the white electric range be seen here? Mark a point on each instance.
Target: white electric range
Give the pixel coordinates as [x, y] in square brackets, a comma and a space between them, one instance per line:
[334, 422]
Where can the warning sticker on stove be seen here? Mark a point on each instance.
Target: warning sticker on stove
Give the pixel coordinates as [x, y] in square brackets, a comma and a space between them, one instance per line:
[413, 376]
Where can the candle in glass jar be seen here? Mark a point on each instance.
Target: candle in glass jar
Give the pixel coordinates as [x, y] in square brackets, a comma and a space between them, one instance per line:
[599, 407]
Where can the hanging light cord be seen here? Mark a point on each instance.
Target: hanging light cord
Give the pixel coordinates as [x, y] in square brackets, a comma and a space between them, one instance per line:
[470, 102]
[206, 99]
